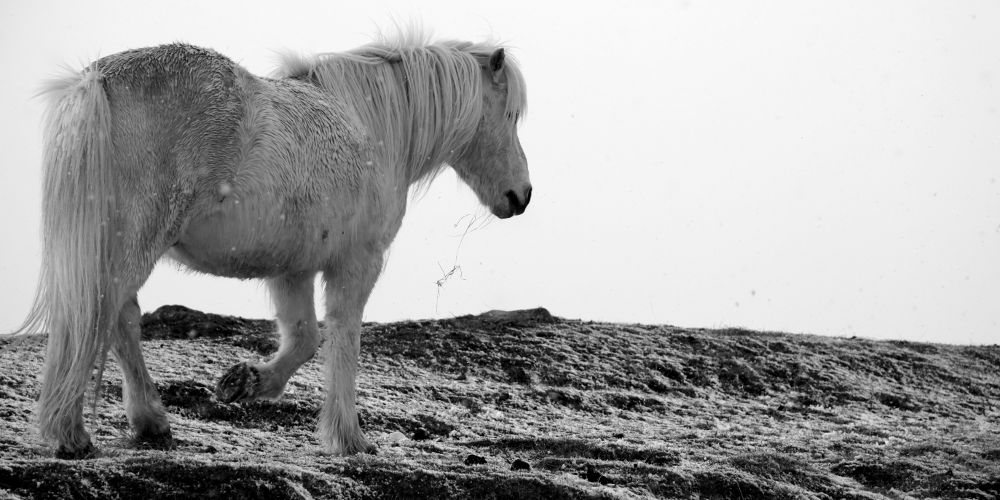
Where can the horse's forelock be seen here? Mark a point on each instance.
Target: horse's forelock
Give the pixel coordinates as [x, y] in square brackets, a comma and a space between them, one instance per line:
[517, 96]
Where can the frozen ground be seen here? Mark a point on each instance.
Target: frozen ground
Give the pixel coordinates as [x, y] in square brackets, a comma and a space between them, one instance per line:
[593, 409]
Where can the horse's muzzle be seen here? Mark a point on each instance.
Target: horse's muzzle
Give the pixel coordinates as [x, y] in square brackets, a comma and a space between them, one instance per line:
[517, 203]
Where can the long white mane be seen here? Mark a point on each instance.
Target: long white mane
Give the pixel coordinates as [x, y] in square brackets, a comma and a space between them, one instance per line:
[423, 100]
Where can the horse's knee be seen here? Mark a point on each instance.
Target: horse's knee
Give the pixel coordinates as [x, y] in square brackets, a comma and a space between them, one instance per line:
[311, 339]
[300, 343]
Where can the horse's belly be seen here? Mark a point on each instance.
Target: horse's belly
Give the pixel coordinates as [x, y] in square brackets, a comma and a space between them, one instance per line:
[257, 242]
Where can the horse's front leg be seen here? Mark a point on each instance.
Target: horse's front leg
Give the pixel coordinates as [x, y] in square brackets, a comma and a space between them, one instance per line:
[296, 318]
[347, 288]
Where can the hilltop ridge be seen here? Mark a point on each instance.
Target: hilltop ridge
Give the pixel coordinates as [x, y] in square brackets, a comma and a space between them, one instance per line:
[592, 409]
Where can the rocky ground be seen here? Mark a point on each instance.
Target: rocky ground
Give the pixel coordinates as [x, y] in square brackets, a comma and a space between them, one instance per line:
[525, 405]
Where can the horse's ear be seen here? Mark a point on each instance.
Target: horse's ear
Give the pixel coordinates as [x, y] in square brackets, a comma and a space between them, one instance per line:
[496, 61]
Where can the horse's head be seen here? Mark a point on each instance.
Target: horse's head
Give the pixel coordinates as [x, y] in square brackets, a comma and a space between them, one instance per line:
[493, 163]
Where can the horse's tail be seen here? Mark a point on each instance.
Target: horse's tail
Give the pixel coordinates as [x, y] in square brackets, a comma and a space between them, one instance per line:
[76, 297]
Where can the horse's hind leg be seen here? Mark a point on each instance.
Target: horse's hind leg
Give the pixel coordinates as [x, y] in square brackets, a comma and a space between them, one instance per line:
[296, 318]
[142, 401]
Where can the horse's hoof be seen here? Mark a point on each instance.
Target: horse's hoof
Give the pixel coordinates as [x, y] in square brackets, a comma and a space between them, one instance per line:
[88, 451]
[357, 448]
[154, 441]
[240, 382]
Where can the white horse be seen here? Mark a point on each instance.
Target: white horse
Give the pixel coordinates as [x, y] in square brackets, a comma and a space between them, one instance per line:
[176, 150]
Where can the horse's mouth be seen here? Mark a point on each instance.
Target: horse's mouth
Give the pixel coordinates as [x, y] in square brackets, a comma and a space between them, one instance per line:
[503, 213]
[506, 211]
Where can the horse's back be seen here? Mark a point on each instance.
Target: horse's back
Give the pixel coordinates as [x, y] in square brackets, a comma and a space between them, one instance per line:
[200, 107]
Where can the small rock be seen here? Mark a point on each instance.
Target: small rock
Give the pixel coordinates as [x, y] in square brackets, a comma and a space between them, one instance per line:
[538, 314]
[663, 458]
[474, 460]
[594, 476]
[519, 375]
[395, 437]
[421, 434]
[520, 465]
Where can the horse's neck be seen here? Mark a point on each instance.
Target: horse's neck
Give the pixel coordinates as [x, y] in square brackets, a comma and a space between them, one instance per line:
[420, 148]
[413, 151]
[417, 119]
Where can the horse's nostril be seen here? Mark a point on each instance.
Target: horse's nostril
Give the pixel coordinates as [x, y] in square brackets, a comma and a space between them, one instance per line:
[527, 196]
[516, 206]
[512, 198]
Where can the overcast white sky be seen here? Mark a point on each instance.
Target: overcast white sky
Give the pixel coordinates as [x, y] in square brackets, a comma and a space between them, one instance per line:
[820, 167]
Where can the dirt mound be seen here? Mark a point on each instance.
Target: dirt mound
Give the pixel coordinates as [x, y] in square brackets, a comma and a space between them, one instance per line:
[518, 404]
